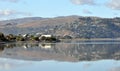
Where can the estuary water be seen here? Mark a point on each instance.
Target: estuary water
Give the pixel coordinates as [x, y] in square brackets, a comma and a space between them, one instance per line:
[63, 56]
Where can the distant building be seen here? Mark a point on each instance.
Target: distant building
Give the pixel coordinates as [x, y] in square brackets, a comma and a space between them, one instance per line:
[25, 35]
[47, 36]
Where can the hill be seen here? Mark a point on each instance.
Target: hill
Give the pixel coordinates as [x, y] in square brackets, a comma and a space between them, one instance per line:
[74, 26]
[14, 22]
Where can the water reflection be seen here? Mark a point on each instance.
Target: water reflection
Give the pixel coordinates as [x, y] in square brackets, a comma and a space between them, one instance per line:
[70, 52]
[11, 64]
[19, 65]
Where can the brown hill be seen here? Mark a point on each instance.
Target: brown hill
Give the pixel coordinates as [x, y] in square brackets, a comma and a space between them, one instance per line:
[49, 21]
[14, 22]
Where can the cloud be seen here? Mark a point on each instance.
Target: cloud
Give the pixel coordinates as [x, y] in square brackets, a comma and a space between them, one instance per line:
[12, 12]
[114, 4]
[7, 64]
[6, 12]
[14, 1]
[87, 11]
[83, 2]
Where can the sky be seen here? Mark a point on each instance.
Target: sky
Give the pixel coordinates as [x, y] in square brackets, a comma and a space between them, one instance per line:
[11, 9]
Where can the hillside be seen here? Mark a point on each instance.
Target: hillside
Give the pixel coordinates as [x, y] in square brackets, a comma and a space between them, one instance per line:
[14, 22]
[74, 26]
[50, 21]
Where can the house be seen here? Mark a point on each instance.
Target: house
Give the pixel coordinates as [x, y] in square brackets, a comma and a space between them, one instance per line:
[25, 35]
[47, 36]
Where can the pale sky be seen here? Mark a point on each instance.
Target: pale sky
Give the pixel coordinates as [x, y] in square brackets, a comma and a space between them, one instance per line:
[10, 9]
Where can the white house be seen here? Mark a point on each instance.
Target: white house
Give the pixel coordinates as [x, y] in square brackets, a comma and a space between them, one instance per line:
[47, 36]
[25, 35]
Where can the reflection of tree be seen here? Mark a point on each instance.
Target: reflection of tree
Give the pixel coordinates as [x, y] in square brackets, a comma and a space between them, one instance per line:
[10, 45]
[1, 47]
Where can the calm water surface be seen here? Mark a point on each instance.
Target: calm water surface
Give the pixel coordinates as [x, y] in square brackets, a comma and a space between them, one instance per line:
[65, 56]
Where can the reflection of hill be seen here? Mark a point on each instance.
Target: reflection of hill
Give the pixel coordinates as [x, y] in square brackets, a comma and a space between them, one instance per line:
[61, 51]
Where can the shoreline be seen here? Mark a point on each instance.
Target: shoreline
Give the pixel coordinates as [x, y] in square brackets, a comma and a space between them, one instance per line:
[93, 39]
[62, 40]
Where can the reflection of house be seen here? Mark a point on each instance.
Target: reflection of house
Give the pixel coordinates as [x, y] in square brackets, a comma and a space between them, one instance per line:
[25, 46]
[45, 46]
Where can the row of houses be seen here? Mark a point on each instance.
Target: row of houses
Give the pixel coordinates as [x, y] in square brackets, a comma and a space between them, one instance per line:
[38, 35]
[48, 36]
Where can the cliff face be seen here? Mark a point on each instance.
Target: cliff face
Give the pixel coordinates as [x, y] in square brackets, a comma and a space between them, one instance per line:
[75, 26]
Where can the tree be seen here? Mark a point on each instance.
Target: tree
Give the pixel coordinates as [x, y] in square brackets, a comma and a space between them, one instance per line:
[10, 37]
[2, 37]
[19, 38]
